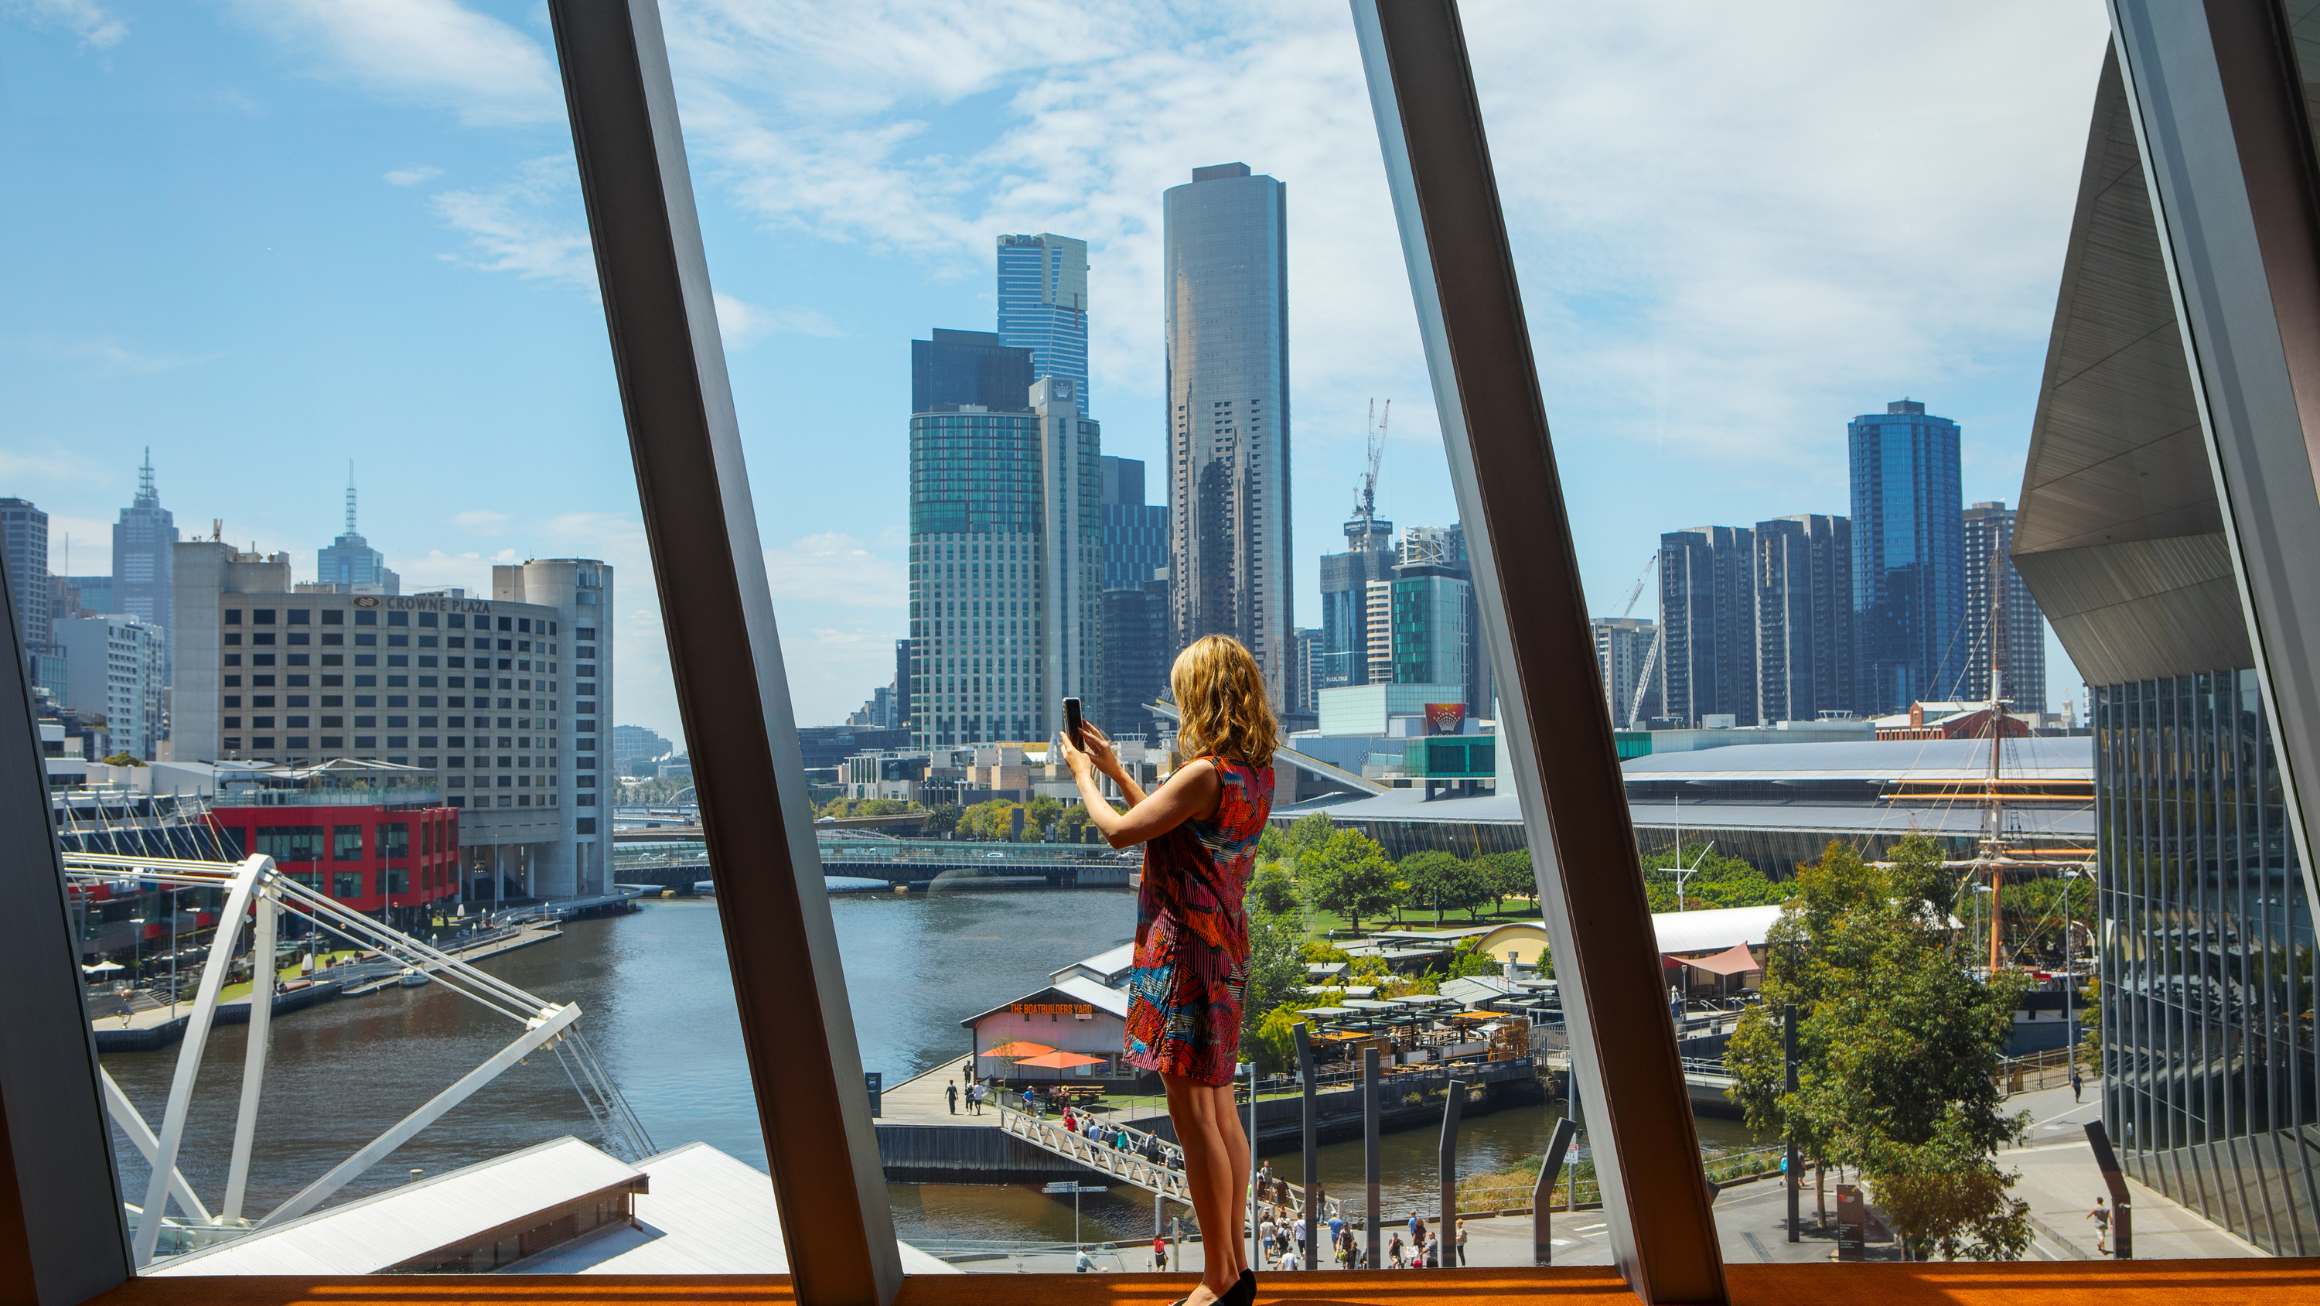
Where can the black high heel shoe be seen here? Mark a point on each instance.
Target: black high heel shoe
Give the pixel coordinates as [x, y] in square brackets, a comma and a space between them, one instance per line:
[1243, 1293]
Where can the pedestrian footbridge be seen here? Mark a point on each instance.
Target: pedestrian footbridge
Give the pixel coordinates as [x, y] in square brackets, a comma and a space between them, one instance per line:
[1133, 1166]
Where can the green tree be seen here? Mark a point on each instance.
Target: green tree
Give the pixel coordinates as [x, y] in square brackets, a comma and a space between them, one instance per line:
[1273, 890]
[941, 819]
[1320, 952]
[1351, 876]
[1464, 961]
[1441, 882]
[1898, 1047]
[1276, 975]
[991, 821]
[1509, 876]
[124, 759]
[1071, 827]
[1274, 846]
[1712, 881]
[1311, 833]
[1274, 1043]
[1041, 812]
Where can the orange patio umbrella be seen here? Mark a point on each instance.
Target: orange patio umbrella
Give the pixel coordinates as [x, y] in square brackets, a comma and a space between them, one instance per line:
[1060, 1061]
[1018, 1049]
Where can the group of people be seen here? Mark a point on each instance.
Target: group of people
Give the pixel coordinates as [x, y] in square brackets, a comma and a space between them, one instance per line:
[977, 1094]
[1426, 1250]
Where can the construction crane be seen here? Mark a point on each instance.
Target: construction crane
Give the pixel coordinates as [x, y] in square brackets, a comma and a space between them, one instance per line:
[1658, 640]
[1365, 490]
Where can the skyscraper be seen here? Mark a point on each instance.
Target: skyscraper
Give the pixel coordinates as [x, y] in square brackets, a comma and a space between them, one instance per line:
[1996, 595]
[1908, 558]
[1006, 567]
[25, 529]
[1343, 658]
[1804, 617]
[144, 547]
[1043, 305]
[1135, 532]
[1622, 645]
[1707, 603]
[1136, 659]
[350, 565]
[968, 369]
[1225, 278]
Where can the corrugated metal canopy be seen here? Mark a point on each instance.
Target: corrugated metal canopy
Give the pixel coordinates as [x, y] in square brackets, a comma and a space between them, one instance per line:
[2066, 758]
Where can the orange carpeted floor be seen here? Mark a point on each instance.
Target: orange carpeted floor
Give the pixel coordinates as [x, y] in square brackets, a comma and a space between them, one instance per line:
[2037, 1283]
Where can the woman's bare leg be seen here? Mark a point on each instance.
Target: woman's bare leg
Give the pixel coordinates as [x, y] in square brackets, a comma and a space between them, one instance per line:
[1209, 1176]
[1236, 1146]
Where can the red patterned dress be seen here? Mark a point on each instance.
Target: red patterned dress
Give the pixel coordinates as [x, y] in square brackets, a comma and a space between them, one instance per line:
[1192, 934]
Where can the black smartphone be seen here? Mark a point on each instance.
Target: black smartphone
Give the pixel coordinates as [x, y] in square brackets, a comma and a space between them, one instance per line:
[1071, 722]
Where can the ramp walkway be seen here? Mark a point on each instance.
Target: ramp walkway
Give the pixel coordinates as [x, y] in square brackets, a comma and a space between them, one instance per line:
[1133, 1166]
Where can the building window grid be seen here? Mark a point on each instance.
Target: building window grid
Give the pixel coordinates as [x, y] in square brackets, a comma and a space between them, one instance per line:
[2189, 795]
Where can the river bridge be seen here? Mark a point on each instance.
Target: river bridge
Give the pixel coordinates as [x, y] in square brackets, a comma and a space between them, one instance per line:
[915, 864]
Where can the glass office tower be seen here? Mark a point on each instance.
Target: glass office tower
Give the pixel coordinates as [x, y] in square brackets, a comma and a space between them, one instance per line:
[1225, 278]
[1043, 305]
[1908, 558]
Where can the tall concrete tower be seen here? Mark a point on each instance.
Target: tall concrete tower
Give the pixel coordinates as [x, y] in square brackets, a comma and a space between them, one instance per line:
[1225, 269]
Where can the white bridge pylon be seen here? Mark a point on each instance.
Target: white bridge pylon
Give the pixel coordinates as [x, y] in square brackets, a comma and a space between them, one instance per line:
[257, 891]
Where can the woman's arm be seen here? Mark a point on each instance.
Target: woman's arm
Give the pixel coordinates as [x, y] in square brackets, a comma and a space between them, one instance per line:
[1193, 792]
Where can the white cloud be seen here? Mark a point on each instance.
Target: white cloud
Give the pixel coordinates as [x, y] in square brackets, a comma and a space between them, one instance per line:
[433, 52]
[529, 226]
[47, 461]
[483, 521]
[740, 322]
[835, 568]
[413, 175]
[91, 22]
[1735, 226]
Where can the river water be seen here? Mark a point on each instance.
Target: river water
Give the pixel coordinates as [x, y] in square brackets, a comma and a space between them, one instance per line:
[658, 1006]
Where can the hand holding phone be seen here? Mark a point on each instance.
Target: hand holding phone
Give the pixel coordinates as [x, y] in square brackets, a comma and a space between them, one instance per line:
[1071, 723]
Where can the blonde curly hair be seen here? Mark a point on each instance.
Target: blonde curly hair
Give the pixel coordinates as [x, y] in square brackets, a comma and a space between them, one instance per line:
[1221, 694]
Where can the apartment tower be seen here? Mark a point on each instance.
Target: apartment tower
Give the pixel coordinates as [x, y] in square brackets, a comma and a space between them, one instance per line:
[1998, 599]
[1908, 559]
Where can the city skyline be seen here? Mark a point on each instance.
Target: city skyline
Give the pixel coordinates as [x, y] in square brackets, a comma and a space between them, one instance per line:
[458, 254]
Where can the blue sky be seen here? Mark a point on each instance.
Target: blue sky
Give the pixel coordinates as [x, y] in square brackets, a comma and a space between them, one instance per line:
[267, 237]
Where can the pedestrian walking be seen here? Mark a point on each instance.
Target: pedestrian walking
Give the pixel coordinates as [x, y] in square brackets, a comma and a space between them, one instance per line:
[951, 1093]
[1417, 1225]
[1159, 1253]
[1084, 1263]
[1394, 1251]
[1290, 1260]
[2074, 1083]
[1462, 1242]
[2101, 1215]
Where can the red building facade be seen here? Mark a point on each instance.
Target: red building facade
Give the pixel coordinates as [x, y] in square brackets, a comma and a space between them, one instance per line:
[371, 858]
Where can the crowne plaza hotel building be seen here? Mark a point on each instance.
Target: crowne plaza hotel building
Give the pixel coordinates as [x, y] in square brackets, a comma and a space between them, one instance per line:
[501, 699]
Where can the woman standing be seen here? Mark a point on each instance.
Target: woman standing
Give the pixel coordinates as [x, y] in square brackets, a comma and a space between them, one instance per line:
[1192, 929]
